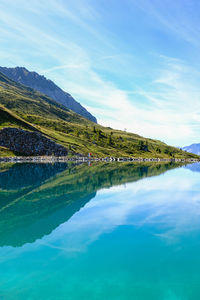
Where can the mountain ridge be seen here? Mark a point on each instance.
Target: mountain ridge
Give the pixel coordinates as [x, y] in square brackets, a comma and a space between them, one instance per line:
[23, 108]
[46, 86]
[193, 148]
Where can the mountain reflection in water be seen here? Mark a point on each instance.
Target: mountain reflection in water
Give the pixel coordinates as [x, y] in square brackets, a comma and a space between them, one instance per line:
[36, 198]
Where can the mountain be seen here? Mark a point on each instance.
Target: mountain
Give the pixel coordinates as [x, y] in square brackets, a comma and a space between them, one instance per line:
[194, 148]
[47, 87]
[28, 111]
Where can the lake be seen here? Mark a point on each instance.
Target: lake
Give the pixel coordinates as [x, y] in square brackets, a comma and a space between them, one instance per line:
[100, 231]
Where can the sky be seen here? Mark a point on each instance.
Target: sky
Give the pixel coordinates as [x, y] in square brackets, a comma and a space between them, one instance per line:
[133, 64]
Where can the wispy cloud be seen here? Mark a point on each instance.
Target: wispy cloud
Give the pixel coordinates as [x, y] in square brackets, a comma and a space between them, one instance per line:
[170, 107]
[180, 17]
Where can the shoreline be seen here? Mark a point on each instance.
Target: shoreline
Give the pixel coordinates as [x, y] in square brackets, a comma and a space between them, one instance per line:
[52, 159]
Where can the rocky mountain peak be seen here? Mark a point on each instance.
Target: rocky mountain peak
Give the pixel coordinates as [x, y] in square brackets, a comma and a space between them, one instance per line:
[46, 86]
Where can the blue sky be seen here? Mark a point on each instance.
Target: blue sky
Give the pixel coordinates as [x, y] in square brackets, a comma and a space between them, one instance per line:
[133, 64]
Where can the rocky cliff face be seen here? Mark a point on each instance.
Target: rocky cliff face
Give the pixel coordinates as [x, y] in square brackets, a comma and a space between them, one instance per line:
[47, 87]
[29, 143]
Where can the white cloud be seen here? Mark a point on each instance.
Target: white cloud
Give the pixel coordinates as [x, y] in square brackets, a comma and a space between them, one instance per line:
[167, 111]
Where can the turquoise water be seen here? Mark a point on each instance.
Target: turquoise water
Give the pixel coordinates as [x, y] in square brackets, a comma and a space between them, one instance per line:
[108, 231]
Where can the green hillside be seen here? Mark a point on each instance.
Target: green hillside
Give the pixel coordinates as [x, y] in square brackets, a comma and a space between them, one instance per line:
[22, 107]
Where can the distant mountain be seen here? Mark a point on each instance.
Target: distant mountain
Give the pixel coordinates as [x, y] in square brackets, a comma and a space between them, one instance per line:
[47, 87]
[194, 148]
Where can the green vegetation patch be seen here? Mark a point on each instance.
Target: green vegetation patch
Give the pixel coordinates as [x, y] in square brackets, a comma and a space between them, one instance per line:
[5, 152]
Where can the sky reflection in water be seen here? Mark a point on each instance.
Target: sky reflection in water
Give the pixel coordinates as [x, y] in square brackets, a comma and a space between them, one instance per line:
[136, 240]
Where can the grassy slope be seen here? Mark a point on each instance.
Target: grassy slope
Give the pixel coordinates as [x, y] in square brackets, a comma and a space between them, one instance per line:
[5, 152]
[25, 108]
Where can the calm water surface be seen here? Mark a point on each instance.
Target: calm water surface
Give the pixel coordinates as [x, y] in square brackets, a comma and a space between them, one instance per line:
[108, 231]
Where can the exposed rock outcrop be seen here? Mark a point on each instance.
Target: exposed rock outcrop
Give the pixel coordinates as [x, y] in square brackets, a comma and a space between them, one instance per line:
[30, 143]
[47, 87]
